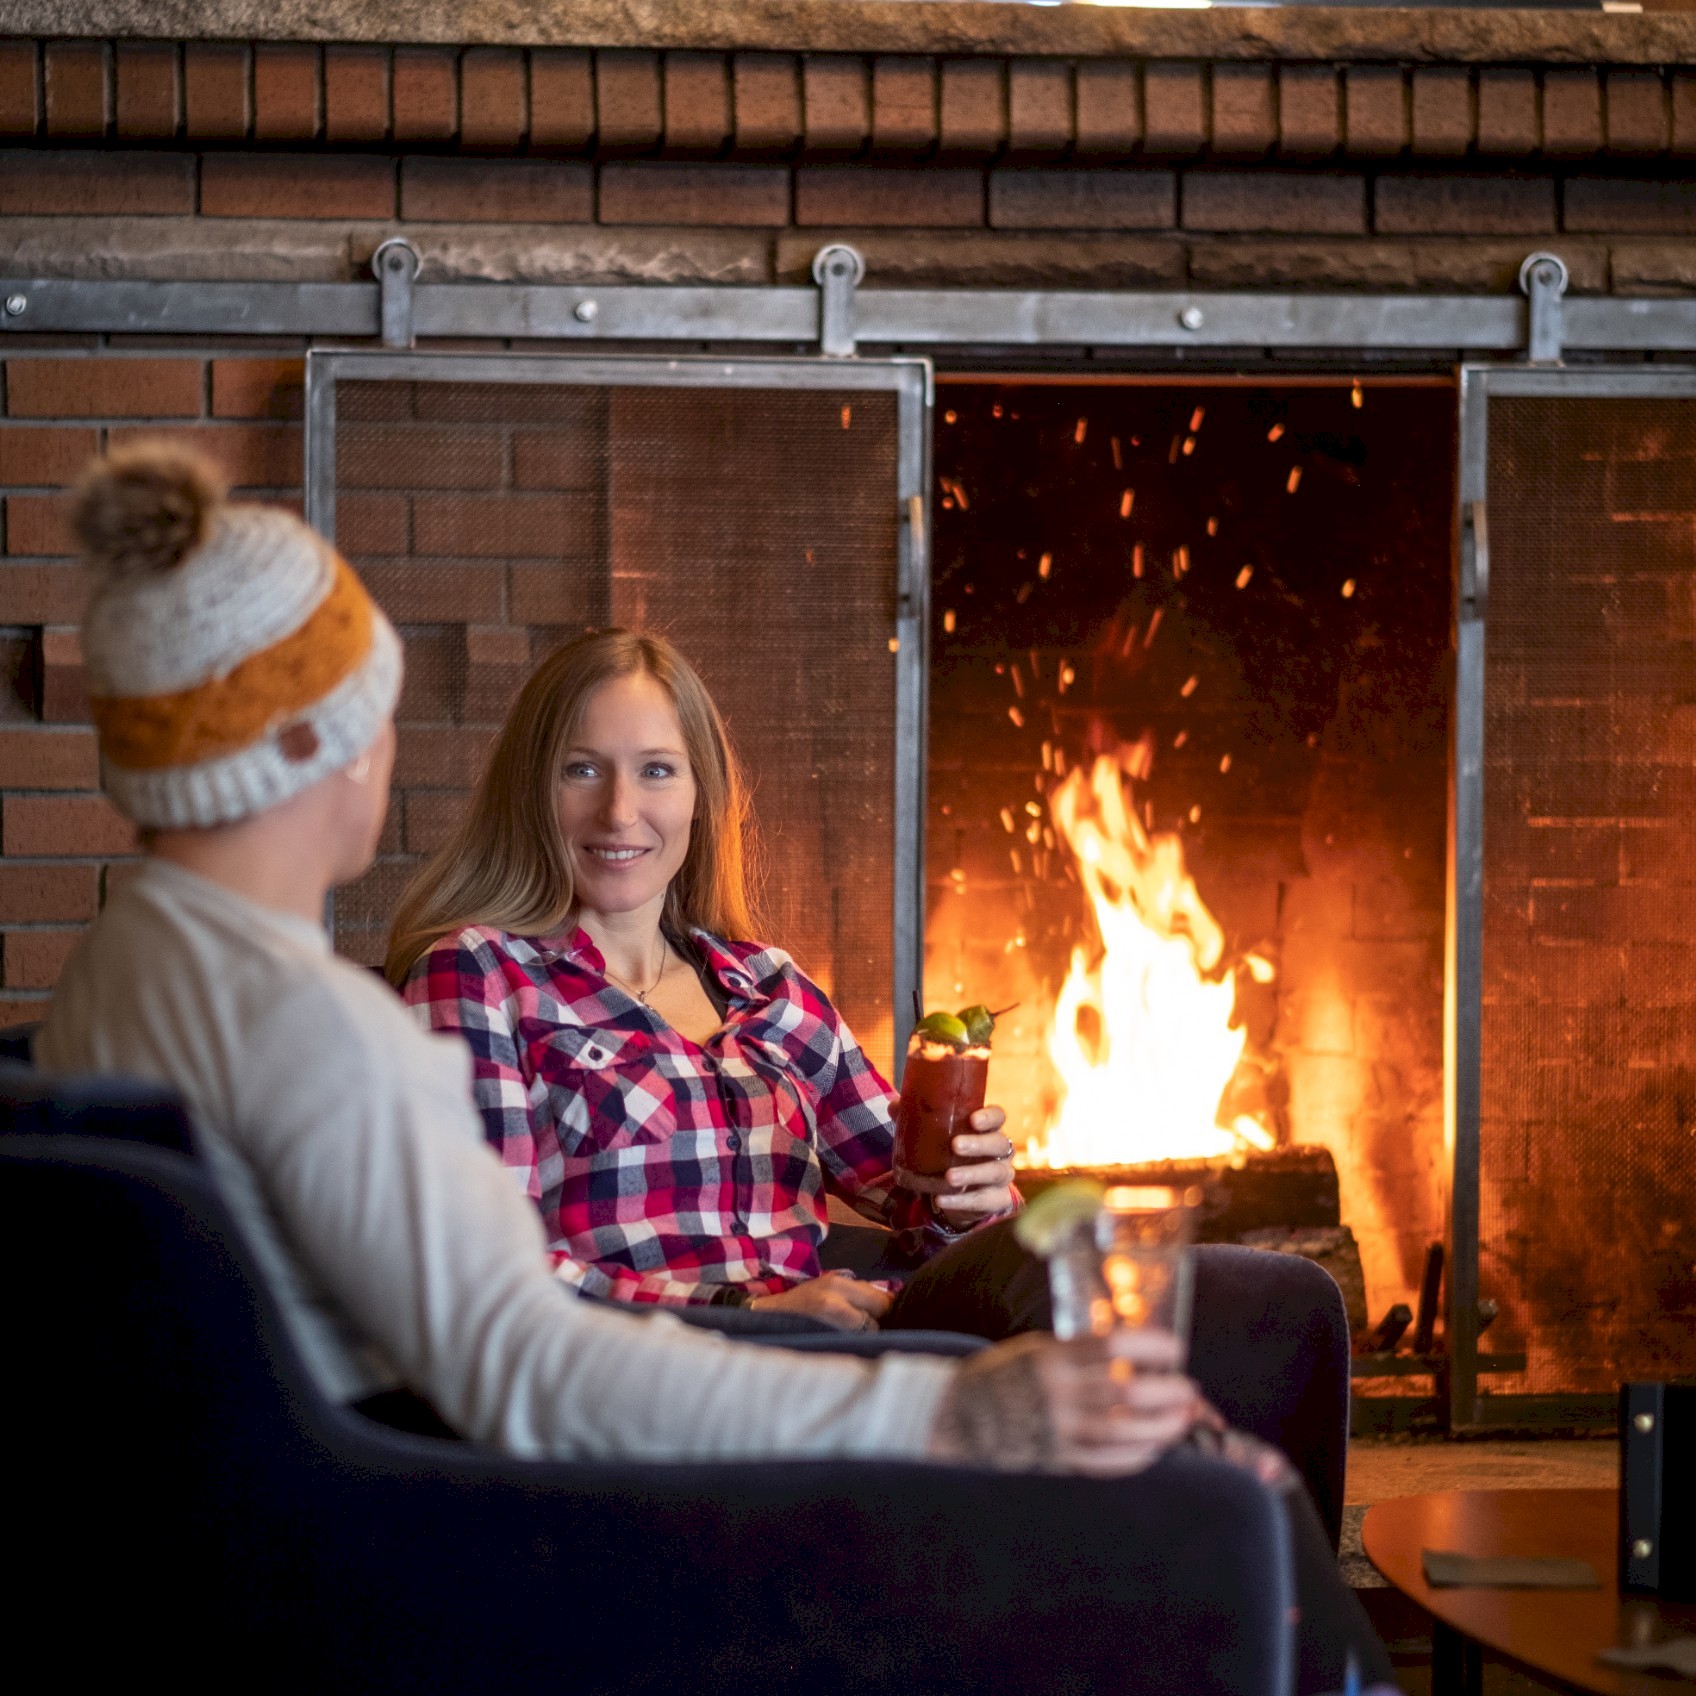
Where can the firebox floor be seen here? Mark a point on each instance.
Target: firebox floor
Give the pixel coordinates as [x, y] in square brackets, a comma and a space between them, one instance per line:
[1383, 1467]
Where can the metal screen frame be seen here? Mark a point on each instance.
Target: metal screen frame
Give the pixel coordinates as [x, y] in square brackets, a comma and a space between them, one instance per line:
[911, 382]
[1464, 1008]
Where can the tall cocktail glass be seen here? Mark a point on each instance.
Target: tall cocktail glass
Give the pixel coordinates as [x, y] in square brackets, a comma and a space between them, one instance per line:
[941, 1088]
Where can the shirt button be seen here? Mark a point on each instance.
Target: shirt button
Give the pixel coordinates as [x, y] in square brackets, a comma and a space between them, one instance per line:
[733, 1142]
[739, 1225]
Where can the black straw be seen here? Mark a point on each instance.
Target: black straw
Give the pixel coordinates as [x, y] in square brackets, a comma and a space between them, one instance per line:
[918, 1009]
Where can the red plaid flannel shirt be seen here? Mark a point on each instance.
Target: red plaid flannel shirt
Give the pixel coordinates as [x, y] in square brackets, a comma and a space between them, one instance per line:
[663, 1169]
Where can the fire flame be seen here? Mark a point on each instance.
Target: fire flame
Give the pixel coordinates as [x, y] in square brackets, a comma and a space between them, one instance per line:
[1142, 1036]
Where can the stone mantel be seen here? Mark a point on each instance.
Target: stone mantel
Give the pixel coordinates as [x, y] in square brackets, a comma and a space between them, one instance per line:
[952, 27]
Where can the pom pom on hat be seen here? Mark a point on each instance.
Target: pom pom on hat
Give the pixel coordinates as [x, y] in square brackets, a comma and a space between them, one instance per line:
[145, 508]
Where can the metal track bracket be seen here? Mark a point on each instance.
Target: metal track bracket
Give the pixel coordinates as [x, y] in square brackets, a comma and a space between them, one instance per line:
[395, 265]
[838, 270]
[1543, 279]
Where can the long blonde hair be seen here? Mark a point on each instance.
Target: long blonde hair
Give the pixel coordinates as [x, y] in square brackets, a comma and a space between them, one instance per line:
[506, 864]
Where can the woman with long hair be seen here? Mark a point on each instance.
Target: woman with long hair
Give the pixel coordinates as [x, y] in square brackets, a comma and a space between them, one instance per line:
[678, 1096]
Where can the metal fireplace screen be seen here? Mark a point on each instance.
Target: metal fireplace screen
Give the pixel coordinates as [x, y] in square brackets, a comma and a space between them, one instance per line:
[755, 527]
[1588, 1112]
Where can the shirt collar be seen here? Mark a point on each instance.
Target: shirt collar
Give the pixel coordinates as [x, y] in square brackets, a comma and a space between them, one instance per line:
[574, 945]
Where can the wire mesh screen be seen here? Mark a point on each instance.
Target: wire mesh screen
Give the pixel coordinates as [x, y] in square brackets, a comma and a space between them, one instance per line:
[1588, 1163]
[756, 528]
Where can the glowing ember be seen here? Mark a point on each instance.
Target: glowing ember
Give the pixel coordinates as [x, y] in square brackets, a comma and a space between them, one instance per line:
[1142, 1037]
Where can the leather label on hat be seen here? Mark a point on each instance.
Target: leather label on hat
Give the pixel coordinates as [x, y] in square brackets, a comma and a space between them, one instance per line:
[298, 742]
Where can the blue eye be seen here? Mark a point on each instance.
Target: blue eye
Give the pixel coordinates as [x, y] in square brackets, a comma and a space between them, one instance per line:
[659, 770]
[578, 769]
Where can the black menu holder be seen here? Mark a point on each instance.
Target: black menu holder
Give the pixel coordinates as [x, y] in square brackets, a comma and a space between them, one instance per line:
[1657, 1493]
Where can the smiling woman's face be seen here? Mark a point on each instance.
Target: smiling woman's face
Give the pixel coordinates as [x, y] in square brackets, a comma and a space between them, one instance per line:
[626, 797]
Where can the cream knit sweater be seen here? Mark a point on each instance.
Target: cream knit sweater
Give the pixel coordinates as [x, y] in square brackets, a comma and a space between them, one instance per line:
[345, 1141]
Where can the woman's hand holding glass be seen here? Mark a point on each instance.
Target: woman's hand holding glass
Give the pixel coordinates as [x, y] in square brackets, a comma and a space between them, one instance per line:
[981, 1186]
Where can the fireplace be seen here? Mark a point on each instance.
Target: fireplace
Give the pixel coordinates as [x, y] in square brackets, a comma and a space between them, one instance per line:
[1229, 601]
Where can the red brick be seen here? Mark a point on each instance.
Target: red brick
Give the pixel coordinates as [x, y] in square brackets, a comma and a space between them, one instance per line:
[1081, 200]
[837, 103]
[74, 81]
[39, 525]
[542, 191]
[426, 94]
[972, 108]
[376, 457]
[502, 526]
[436, 594]
[64, 688]
[215, 91]
[558, 459]
[697, 103]
[1464, 205]
[1629, 206]
[1636, 114]
[1039, 108]
[1508, 122]
[497, 645]
[20, 99]
[1309, 111]
[34, 958]
[296, 185]
[48, 759]
[103, 388]
[440, 759]
[287, 80]
[258, 388]
[372, 525]
[356, 93]
[1109, 107]
[43, 594]
[888, 196]
[1375, 111]
[1572, 114]
[251, 456]
[64, 827]
[44, 456]
[751, 195]
[1443, 121]
[767, 102]
[494, 98]
[627, 100]
[42, 894]
[1245, 123]
[1682, 99]
[1174, 109]
[1287, 201]
[98, 183]
[149, 90]
[562, 99]
[432, 817]
[903, 105]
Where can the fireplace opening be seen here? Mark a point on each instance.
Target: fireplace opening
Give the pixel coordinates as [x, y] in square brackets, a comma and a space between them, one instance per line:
[1188, 782]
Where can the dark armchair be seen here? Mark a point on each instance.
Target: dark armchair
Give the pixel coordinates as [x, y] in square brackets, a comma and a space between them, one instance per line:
[186, 1504]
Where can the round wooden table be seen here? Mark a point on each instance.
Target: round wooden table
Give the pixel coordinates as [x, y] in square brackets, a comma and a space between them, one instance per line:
[1554, 1633]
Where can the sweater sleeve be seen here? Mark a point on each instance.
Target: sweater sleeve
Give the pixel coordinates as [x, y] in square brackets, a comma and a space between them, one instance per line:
[374, 1162]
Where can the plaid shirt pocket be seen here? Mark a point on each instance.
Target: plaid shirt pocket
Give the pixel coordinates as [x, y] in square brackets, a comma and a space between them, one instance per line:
[626, 1099]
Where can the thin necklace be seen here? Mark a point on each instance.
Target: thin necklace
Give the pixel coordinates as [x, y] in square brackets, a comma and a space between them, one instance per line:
[643, 994]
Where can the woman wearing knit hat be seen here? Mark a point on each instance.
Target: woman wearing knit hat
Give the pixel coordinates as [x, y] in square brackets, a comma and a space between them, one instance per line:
[244, 685]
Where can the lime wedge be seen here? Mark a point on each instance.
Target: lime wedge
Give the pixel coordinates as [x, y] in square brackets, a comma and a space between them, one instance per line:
[1052, 1216]
[943, 1027]
[979, 1023]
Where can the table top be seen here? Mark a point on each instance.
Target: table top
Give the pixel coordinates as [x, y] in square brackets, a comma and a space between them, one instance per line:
[1555, 1632]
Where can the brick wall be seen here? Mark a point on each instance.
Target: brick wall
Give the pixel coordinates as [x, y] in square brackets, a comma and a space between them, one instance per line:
[200, 160]
[62, 846]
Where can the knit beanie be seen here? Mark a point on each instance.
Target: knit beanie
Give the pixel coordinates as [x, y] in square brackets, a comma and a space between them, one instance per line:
[233, 658]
